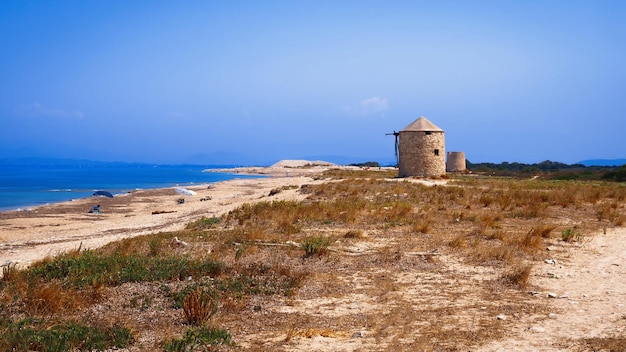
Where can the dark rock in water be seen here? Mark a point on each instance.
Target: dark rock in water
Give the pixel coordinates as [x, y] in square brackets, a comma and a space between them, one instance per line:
[103, 194]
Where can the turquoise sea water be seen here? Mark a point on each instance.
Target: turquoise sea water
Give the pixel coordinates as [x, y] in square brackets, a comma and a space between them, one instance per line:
[27, 185]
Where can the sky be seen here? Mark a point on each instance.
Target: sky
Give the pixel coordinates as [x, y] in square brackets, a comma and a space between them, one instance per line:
[259, 81]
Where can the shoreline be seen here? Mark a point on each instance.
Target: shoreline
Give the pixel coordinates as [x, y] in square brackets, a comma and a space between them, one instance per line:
[21, 192]
[48, 230]
[256, 171]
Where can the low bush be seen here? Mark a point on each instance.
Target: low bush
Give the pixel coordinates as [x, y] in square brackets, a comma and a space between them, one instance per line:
[315, 245]
[571, 234]
[37, 335]
[198, 339]
[203, 223]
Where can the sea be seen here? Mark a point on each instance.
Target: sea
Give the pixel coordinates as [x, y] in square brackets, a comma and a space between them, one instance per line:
[25, 184]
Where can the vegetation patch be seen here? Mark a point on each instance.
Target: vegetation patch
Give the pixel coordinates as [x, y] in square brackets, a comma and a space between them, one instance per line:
[571, 234]
[198, 339]
[203, 223]
[38, 335]
[89, 268]
[316, 245]
[199, 306]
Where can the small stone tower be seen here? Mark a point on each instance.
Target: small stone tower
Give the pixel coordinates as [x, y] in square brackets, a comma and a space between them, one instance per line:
[421, 149]
[455, 162]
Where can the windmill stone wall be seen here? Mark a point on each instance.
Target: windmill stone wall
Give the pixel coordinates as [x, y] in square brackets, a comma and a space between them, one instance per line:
[456, 162]
[421, 150]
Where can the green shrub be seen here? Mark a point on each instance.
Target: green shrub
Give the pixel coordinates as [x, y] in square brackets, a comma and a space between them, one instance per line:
[30, 334]
[618, 174]
[203, 223]
[571, 234]
[198, 339]
[316, 245]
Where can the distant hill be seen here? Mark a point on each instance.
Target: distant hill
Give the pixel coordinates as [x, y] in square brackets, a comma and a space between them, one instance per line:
[603, 162]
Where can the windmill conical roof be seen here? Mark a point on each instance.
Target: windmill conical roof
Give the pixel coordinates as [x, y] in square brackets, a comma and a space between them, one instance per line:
[422, 124]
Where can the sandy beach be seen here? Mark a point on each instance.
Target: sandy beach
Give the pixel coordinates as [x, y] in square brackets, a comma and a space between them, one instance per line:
[27, 236]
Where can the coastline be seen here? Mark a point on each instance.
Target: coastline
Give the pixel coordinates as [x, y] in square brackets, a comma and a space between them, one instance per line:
[48, 230]
[29, 186]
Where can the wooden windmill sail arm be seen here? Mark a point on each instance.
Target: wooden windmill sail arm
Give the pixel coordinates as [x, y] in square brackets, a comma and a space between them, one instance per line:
[396, 134]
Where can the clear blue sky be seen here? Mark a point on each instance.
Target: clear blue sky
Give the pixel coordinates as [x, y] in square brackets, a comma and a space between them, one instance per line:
[260, 81]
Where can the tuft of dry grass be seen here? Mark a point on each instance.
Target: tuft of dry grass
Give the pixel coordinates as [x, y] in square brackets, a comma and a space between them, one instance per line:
[458, 242]
[51, 298]
[198, 306]
[517, 276]
[9, 272]
[422, 225]
[542, 230]
[357, 234]
[531, 241]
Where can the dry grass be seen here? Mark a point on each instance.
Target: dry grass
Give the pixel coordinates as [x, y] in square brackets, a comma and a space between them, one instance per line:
[199, 306]
[429, 252]
[609, 344]
[517, 276]
[356, 234]
[51, 298]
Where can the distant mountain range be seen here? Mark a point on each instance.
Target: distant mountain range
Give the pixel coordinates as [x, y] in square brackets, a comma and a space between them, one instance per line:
[603, 162]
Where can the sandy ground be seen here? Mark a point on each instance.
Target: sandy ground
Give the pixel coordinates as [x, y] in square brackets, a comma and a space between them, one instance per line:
[586, 287]
[52, 229]
[585, 284]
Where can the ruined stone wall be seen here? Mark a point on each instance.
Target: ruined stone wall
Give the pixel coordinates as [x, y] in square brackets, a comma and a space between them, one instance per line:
[456, 162]
[417, 154]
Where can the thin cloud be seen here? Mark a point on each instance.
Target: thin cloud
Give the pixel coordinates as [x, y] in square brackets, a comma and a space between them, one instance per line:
[368, 107]
[42, 111]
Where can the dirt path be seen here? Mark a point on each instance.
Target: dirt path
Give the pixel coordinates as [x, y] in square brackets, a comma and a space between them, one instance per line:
[589, 282]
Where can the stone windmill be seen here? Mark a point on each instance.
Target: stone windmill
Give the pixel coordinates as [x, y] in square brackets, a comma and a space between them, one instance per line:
[420, 149]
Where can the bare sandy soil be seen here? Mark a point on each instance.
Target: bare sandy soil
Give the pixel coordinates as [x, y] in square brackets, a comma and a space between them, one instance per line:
[48, 230]
[586, 294]
[581, 288]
